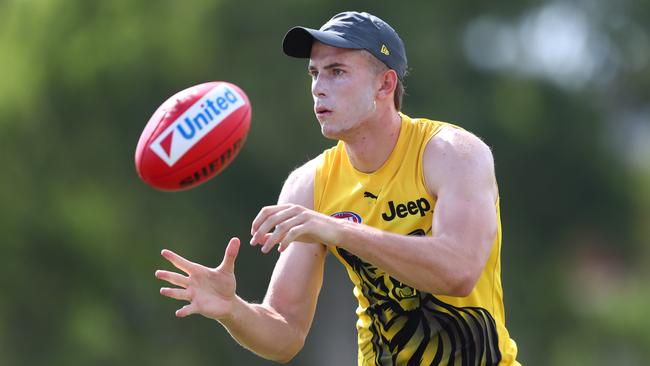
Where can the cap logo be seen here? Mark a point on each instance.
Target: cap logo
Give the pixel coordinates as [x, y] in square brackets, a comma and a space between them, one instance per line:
[384, 50]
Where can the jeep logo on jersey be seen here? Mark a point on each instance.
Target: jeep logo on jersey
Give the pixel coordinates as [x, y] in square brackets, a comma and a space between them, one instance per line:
[201, 118]
[347, 215]
[401, 210]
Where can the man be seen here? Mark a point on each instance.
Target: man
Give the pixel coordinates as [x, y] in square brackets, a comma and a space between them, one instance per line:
[409, 206]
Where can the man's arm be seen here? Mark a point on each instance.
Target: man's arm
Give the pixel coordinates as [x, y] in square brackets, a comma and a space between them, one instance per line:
[459, 171]
[290, 301]
[276, 328]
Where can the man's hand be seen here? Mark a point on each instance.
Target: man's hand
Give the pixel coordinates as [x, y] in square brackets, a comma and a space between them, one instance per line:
[293, 223]
[209, 291]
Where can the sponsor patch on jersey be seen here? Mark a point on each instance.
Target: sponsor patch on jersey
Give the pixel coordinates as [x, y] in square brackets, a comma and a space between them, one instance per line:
[190, 127]
[400, 210]
[348, 215]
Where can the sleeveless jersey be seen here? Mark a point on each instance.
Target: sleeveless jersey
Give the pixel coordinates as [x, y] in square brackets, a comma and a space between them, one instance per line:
[398, 324]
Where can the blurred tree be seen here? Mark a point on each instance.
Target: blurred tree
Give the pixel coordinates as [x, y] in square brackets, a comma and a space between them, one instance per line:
[558, 89]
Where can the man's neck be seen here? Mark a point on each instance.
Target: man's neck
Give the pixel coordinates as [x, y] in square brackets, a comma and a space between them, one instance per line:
[372, 146]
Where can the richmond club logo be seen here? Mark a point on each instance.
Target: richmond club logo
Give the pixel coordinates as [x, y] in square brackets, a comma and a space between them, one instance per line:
[347, 215]
[190, 127]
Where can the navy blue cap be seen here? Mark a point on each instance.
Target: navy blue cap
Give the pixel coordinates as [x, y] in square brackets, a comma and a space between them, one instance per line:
[353, 30]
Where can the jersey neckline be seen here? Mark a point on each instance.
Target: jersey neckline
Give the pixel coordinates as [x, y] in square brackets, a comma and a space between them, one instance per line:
[392, 162]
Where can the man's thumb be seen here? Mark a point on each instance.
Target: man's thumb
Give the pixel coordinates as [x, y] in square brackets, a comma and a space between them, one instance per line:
[228, 263]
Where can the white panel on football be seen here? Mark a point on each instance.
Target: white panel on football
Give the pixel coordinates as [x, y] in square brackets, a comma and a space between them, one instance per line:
[203, 116]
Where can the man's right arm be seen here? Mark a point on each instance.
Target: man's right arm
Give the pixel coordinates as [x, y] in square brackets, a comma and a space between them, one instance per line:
[275, 329]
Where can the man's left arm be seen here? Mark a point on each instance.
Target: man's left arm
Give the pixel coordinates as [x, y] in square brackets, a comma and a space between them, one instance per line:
[459, 172]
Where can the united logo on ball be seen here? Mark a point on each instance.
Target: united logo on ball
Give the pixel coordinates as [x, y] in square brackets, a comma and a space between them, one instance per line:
[193, 136]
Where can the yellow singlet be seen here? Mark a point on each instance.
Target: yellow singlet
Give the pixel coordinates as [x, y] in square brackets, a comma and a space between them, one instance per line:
[399, 325]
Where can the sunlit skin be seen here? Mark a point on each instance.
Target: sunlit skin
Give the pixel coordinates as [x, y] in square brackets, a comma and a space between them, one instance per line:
[353, 104]
[343, 91]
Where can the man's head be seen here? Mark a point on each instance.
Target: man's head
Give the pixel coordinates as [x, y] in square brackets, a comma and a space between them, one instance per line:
[368, 56]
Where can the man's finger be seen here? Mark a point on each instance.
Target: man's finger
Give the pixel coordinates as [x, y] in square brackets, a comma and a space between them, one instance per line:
[266, 248]
[271, 221]
[173, 278]
[263, 214]
[228, 262]
[176, 293]
[291, 236]
[283, 245]
[178, 261]
[294, 233]
[186, 310]
[261, 241]
[282, 229]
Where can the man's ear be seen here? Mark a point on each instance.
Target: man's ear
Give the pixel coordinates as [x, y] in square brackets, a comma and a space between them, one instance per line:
[388, 83]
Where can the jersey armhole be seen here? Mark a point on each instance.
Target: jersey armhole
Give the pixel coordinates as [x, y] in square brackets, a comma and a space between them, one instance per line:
[319, 180]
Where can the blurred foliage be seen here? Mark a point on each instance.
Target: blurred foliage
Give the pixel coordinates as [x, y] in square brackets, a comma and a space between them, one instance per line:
[81, 233]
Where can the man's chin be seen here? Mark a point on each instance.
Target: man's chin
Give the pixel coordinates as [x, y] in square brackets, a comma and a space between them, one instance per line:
[329, 133]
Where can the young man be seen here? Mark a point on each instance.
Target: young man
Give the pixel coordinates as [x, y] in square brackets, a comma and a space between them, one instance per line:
[409, 206]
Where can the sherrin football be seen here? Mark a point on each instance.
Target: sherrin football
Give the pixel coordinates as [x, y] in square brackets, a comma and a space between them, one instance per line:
[193, 136]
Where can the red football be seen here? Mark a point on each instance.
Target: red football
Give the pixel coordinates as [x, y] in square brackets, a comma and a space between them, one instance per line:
[193, 136]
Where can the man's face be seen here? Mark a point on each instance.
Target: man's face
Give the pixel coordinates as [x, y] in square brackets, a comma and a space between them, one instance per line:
[344, 86]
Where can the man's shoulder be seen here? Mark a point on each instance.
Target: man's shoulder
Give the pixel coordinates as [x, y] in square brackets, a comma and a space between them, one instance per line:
[454, 155]
[299, 186]
[454, 142]
[305, 173]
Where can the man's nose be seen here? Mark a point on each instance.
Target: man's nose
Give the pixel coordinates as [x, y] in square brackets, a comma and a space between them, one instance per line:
[318, 88]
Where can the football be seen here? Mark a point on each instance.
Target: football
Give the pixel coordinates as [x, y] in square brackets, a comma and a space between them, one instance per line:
[193, 136]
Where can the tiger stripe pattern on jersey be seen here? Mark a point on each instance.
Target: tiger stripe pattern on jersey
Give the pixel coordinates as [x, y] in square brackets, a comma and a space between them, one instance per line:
[416, 328]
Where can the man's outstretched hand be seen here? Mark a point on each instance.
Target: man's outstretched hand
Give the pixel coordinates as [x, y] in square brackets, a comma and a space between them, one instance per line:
[209, 291]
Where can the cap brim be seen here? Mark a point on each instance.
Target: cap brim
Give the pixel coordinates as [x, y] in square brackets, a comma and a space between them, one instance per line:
[298, 41]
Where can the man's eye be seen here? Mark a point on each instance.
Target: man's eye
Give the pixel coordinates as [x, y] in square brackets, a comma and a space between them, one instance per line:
[338, 72]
